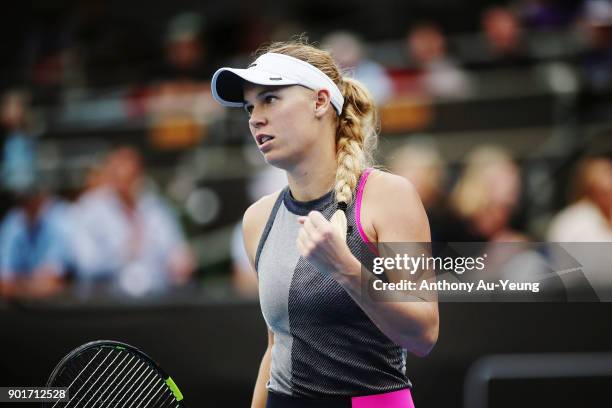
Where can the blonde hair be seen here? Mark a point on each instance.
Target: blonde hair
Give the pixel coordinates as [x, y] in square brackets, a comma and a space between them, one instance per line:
[470, 195]
[589, 175]
[356, 129]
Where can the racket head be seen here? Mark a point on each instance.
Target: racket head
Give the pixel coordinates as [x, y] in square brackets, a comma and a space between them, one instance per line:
[106, 373]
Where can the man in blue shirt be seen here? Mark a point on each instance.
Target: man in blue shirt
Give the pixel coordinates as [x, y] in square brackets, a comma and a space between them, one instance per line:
[33, 247]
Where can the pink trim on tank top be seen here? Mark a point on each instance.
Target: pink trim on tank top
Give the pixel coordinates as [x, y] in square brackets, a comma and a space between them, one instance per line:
[395, 399]
[362, 183]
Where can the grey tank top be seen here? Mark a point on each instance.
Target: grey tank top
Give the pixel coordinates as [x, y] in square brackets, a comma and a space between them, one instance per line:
[324, 344]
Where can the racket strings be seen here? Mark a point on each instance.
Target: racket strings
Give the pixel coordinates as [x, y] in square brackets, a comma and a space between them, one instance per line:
[108, 388]
[148, 396]
[168, 402]
[134, 386]
[138, 393]
[145, 381]
[92, 388]
[133, 396]
[73, 397]
[137, 369]
[108, 377]
[80, 373]
[150, 385]
[165, 399]
[75, 375]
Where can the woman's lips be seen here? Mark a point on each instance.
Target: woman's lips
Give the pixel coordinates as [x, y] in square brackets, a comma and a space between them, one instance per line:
[264, 142]
[265, 146]
[262, 138]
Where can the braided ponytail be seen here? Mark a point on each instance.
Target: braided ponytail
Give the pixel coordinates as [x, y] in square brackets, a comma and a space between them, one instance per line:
[355, 141]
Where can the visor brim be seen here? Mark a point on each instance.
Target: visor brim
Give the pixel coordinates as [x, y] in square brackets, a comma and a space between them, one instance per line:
[228, 83]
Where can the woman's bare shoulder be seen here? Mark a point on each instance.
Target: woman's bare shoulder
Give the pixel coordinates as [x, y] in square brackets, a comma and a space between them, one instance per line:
[392, 201]
[260, 208]
[383, 182]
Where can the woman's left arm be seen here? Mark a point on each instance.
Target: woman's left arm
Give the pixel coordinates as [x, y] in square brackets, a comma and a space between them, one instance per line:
[396, 214]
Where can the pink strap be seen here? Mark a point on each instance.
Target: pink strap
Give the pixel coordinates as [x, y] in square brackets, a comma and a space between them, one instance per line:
[395, 399]
[362, 183]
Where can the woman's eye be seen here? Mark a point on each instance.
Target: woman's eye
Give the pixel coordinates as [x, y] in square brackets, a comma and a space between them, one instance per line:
[248, 109]
[270, 98]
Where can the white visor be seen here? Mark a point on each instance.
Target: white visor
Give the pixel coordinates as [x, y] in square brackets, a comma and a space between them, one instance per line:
[272, 69]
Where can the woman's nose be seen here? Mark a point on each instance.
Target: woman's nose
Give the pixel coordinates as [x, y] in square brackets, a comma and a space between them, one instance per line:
[257, 119]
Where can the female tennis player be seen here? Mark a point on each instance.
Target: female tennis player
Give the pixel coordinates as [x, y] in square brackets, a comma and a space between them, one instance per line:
[328, 345]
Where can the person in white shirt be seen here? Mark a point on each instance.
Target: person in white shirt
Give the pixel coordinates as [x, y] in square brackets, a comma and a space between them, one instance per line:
[584, 228]
[126, 235]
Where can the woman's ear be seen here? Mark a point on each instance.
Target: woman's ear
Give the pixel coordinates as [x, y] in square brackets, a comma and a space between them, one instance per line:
[322, 103]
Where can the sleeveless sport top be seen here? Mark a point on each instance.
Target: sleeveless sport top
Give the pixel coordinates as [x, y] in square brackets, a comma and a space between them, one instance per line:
[324, 344]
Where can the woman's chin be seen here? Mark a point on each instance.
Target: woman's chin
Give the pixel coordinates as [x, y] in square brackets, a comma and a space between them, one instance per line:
[276, 160]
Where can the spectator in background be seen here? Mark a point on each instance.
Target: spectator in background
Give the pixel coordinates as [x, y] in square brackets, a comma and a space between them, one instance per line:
[484, 198]
[185, 52]
[421, 163]
[440, 76]
[587, 220]
[504, 45]
[34, 254]
[596, 61]
[126, 235]
[34, 251]
[589, 217]
[18, 156]
[348, 52]
[180, 104]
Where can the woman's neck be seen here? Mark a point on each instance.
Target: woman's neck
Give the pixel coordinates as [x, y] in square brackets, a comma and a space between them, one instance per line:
[311, 180]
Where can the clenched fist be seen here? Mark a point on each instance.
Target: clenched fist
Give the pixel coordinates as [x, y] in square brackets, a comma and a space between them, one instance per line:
[323, 245]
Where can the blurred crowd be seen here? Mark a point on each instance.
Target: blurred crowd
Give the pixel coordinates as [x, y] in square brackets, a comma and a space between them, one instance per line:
[118, 235]
[118, 230]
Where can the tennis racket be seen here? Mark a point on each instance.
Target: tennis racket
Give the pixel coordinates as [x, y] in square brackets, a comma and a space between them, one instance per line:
[109, 374]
